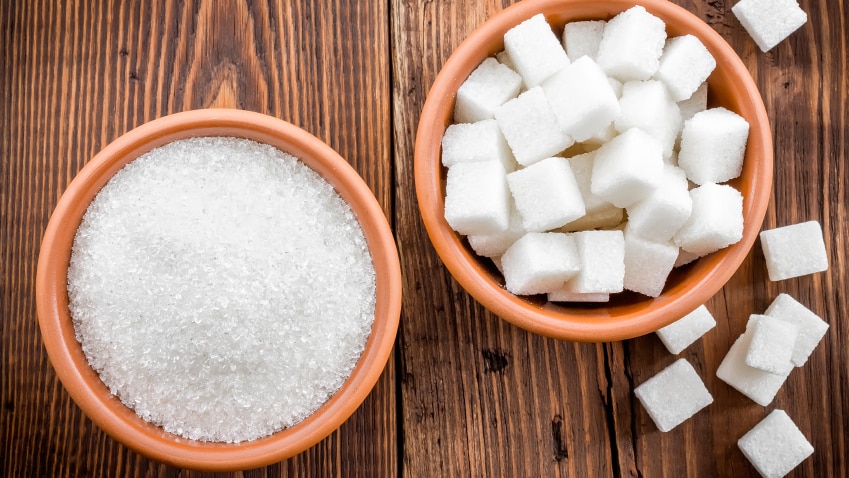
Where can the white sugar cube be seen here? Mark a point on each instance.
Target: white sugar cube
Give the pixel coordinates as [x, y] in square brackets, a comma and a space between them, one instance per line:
[810, 326]
[775, 446]
[491, 245]
[647, 264]
[672, 396]
[715, 222]
[795, 250]
[477, 200]
[582, 168]
[695, 103]
[488, 87]
[531, 128]
[658, 216]
[562, 295]
[648, 106]
[631, 45]
[546, 194]
[602, 255]
[627, 168]
[582, 38]
[756, 384]
[772, 345]
[470, 142]
[606, 217]
[540, 262]
[581, 98]
[678, 335]
[713, 144]
[769, 21]
[535, 50]
[684, 65]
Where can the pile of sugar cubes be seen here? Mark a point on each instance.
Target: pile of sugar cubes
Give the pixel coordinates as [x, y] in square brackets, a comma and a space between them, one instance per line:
[590, 166]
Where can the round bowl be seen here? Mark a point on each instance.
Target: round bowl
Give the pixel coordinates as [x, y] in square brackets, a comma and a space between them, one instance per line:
[83, 383]
[627, 315]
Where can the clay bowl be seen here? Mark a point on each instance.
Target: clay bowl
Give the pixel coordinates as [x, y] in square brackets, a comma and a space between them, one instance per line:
[83, 383]
[627, 315]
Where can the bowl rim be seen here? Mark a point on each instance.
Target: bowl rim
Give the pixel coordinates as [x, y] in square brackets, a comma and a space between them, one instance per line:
[84, 385]
[588, 325]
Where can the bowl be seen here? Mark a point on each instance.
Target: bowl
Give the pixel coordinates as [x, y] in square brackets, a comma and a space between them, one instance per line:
[627, 315]
[83, 383]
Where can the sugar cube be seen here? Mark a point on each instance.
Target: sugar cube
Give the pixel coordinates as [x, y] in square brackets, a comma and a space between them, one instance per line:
[534, 50]
[602, 255]
[546, 194]
[540, 262]
[684, 65]
[562, 295]
[470, 142]
[477, 200]
[772, 345]
[696, 103]
[627, 168]
[713, 144]
[795, 250]
[775, 446]
[607, 217]
[658, 216]
[769, 21]
[582, 38]
[491, 245]
[631, 45]
[530, 127]
[488, 87]
[672, 396]
[582, 167]
[715, 222]
[648, 106]
[810, 326]
[647, 264]
[678, 335]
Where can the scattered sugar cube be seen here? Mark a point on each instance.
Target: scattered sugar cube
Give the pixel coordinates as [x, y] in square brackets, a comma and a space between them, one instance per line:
[581, 98]
[658, 216]
[713, 144]
[488, 87]
[561, 295]
[769, 21]
[628, 168]
[647, 264]
[695, 103]
[772, 345]
[582, 38]
[602, 255]
[606, 217]
[793, 251]
[491, 245]
[470, 142]
[648, 106]
[810, 326]
[672, 396]
[756, 384]
[582, 167]
[546, 194]
[684, 65]
[631, 45]
[531, 128]
[715, 222]
[540, 262]
[685, 258]
[775, 446]
[534, 50]
[678, 335]
[477, 200]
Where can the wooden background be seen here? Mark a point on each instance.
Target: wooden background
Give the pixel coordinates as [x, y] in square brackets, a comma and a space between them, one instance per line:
[465, 394]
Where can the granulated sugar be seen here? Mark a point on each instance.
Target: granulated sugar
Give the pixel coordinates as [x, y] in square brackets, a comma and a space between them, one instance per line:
[221, 288]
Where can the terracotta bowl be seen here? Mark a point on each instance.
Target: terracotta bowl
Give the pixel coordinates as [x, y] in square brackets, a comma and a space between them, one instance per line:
[83, 383]
[627, 315]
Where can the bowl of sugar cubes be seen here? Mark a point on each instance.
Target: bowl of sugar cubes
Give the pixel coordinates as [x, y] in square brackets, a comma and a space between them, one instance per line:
[593, 171]
[218, 290]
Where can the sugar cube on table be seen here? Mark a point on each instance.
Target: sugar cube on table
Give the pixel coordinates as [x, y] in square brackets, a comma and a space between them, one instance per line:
[602, 255]
[631, 45]
[470, 142]
[627, 168]
[775, 446]
[678, 335]
[647, 264]
[715, 222]
[795, 250]
[695, 103]
[658, 216]
[810, 326]
[582, 38]
[772, 345]
[562, 295]
[769, 22]
[535, 50]
[672, 396]
[581, 98]
[684, 65]
[759, 386]
[488, 87]
[582, 168]
[546, 194]
[607, 217]
[540, 262]
[530, 127]
[491, 245]
[713, 145]
[477, 200]
[648, 106]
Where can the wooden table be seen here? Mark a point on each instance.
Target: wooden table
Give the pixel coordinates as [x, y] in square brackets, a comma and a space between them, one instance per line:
[465, 393]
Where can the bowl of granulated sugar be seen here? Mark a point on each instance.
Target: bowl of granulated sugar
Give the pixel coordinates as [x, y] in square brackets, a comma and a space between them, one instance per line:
[218, 290]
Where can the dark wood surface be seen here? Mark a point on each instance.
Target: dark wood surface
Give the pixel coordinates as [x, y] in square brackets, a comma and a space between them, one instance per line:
[465, 393]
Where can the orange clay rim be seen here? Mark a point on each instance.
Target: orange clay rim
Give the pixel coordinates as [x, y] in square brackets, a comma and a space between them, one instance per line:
[730, 86]
[83, 383]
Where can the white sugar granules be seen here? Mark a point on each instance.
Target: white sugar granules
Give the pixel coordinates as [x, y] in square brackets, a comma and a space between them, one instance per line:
[221, 288]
